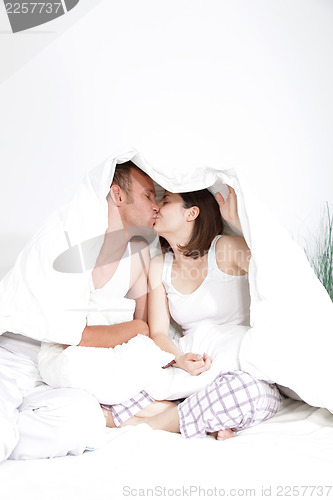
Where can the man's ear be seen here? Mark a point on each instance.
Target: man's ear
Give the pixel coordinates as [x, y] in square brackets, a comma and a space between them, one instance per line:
[193, 213]
[116, 195]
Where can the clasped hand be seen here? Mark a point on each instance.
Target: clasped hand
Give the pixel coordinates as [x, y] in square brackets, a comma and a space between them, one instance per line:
[194, 363]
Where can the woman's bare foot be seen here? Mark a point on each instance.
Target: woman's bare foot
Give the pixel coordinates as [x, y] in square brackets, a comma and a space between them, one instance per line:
[222, 435]
[108, 418]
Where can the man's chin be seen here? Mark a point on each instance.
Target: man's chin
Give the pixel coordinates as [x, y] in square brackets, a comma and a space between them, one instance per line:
[141, 230]
[155, 226]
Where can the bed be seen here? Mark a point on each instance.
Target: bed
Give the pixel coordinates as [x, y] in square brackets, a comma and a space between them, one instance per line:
[288, 455]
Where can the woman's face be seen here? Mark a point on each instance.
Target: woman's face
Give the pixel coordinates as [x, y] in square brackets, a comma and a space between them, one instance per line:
[171, 216]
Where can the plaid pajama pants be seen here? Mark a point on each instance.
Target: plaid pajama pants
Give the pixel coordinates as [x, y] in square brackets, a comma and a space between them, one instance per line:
[123, 411]
[234, 400]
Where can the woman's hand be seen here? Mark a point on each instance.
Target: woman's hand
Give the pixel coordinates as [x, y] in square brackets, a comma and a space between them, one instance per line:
[228, 208]
[193, 363]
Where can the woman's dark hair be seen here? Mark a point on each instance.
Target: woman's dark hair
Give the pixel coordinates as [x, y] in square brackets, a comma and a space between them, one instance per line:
[207, 225]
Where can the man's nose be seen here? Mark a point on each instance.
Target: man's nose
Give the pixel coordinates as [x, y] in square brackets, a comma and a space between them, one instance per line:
[156, 208]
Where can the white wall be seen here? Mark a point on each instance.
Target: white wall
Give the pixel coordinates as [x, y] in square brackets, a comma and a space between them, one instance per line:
[245, 84]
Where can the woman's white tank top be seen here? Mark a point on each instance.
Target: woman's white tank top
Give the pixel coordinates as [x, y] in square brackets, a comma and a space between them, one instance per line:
[220, 299]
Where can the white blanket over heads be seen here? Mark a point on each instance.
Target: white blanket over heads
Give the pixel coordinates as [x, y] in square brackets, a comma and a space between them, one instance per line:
[291, 336]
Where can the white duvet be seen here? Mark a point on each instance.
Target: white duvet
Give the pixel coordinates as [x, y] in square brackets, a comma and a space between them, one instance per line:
[115, 375]
[291, 336]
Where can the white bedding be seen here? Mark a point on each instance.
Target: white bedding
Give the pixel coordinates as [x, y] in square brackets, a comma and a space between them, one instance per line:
[115, 375]
[293, 449]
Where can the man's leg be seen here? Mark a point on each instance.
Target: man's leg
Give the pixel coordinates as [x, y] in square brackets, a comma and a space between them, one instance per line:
[58, 422]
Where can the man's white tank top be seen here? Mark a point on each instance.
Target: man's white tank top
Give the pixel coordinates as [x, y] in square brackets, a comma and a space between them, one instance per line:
[102, 299]
[119, 284]
[220, 299]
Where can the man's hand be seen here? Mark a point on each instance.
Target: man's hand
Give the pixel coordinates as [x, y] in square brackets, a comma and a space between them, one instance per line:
[193, 363]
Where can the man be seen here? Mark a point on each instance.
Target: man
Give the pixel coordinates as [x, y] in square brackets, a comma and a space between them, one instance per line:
[131, 206]
[35, 420]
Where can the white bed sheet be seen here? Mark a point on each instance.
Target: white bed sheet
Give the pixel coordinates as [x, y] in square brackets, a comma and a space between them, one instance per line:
[293, 449]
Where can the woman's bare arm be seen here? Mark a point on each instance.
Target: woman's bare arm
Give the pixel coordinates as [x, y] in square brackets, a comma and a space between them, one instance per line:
[233, 255]
[159, 323]
[158, 309]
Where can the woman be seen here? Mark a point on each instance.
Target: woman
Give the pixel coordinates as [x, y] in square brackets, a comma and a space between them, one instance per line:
[203, 275]
[201, 279]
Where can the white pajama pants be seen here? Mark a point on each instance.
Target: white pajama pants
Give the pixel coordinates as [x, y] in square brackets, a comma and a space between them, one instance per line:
[37, 421]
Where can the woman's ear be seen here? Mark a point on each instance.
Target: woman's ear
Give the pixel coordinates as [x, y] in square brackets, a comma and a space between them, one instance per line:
[116, 195]
[193, 213]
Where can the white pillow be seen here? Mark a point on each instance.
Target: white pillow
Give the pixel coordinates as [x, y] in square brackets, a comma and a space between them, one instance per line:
[112, 375]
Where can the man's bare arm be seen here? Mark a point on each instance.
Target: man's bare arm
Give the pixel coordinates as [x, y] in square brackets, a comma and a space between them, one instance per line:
[110, 336]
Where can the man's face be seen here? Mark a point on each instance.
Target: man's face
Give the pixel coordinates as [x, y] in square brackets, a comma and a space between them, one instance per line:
[141, 207]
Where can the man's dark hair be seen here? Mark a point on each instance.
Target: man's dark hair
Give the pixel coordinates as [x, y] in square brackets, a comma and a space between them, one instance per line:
[207, 225]
[122, 177]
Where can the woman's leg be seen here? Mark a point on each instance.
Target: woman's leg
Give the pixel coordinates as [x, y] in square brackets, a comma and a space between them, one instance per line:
[142, 405]
[167, 420]
[233, 401]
